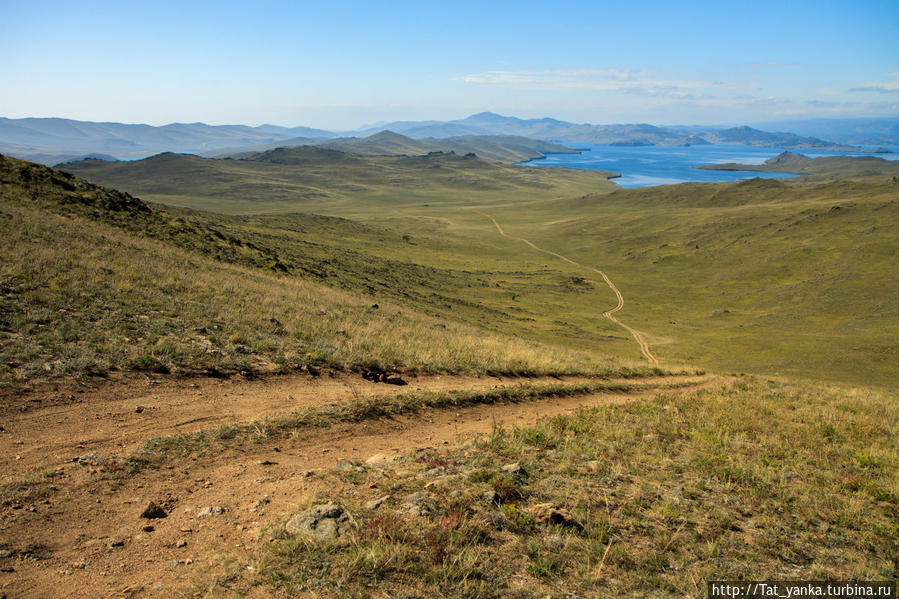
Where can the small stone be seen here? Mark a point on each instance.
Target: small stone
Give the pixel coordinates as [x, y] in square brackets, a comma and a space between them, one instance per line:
[435, 471]
[517, 471]
[321, 522]
[376, 503]
[138, 409]
[395, 380]
[493, 498]
[5, 553]
[264, 500]
[148, 528]
[117, 543]
[153, 511]
[267, 463]
[345, 464]
[213, 510]
[180, 543]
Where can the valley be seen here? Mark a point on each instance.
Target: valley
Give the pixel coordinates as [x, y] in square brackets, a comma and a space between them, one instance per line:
[444, 346]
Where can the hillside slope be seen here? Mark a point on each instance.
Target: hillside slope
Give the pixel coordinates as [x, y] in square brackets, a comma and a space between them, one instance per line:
[95, 279]
[325, 181]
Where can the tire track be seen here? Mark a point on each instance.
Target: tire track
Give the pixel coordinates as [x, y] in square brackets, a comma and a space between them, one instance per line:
[610, 314]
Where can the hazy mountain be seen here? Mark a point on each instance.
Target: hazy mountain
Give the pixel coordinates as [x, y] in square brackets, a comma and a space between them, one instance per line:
[52, 140]
[866, 131]
[835, 166]
[489, 123]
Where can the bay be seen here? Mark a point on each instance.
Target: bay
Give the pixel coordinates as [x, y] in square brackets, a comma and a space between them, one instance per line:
[643, 166]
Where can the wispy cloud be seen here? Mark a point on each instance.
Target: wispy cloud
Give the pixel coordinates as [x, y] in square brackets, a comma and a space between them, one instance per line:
[880, 87]
[616, 80]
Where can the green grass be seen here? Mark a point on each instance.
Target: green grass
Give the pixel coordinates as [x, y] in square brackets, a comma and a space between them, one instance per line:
[760, 479]
[93, 281]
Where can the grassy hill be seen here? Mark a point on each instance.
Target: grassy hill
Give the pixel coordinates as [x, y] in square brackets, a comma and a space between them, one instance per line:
[96, 280]
[758, 276]
[841, 167]
[324, 181]
[496, 148]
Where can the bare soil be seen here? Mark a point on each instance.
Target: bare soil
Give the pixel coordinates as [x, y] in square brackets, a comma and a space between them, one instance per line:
[85, 536]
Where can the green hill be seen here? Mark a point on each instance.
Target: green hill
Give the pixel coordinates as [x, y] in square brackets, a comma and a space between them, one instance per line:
[94, 280]
[311, 179]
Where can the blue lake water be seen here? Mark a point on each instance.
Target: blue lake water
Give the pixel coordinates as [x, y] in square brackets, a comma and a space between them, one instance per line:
[643, 166]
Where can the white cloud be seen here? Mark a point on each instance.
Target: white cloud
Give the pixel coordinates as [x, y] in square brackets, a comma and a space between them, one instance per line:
[880, 87]
[617, 80]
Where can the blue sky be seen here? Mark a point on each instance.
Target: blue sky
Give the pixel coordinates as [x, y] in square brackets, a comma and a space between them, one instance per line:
[340, 65]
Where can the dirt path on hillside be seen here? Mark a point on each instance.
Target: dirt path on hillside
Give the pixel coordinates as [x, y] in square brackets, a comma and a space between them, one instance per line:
[44, 430]
[637, 335]
[87, 539]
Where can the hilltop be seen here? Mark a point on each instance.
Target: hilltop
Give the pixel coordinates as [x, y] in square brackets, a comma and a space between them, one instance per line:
[307, 179]
[833, 166]
[496, 148]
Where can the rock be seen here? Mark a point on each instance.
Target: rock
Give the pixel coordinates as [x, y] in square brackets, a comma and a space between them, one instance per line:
[312, 370]
[180, 543]
[346, 464]
[493, 498]
[242, 349]
[138, 409]
[376, 503]
[517, 471]
[267, 463]
[213, 510]
[148, 528]
[435, 471]
[324, 522]
[395, 380]
[381, 458]
[548, 513]
[153, 511]
[264, 500]
[117, 543]
[417, 504]
[5, 553]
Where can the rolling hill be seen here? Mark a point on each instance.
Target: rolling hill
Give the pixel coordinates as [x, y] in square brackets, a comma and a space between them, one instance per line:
[312, 179]
[497, 148]
[829, 166]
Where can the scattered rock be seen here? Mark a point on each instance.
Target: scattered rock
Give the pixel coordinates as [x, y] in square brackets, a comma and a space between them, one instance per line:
[5, 553]
[267, 463]
[321, 522]
[117, 543]
[313, 370]
[548, 513]
[180, 543]
[148, 528]
[493, 498]
[374, 306]
[308, 473]
[153, 511]
[213, 510]
[242, 349]
[376, 503]
[264, 500]
[395, 380]
[435, 471]
[139, 409]
[346, 464]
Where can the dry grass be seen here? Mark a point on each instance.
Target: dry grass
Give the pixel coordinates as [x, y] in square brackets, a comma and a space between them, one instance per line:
[760, 480]
[81, 297]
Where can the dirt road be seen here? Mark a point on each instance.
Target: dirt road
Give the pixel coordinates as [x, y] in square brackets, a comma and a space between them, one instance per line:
[78, 532]
[637, 335]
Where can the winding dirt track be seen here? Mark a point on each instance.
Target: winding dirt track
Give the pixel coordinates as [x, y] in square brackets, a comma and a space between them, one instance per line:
[638, 336]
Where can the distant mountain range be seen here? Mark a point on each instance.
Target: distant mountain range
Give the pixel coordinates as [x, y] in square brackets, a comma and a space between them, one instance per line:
[54, 140]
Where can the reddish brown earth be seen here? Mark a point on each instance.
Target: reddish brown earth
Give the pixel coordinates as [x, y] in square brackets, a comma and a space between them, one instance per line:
[86, 537]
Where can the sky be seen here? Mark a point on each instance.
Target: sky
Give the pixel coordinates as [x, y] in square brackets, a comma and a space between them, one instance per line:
[341, 65]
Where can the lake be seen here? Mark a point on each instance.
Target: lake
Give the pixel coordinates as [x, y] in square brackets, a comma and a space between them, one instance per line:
[643, 166]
